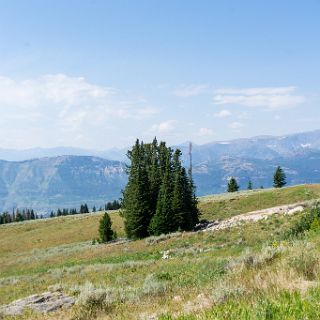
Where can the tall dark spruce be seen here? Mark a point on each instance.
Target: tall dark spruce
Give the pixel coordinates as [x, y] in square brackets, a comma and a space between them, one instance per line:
[160, 195]
[136, 196]
[163, 219]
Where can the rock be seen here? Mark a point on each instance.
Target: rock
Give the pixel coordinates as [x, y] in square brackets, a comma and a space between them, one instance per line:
[165, 255]
[43, 303]
[295, 210]
[256, 216]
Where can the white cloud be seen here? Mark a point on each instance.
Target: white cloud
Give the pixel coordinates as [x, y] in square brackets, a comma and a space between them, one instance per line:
[190, 90]
[69, 95]
[236, 125]
[223, 114]
[205, 132]
[58, 109]
[164, 127]
[53, 89]
[273, 98]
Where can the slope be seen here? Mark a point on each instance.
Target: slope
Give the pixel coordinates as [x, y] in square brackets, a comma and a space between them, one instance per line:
[208, 274]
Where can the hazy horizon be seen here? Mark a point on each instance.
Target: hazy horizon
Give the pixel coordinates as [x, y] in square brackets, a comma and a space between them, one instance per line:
[116, 148]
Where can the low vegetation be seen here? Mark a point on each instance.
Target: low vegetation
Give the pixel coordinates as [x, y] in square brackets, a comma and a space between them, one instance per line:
[259, 270]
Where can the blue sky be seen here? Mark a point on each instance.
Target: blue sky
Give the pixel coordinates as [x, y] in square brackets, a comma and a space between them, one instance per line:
[99, 74]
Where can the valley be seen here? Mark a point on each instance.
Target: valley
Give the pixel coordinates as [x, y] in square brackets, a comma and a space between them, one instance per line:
[52, 182]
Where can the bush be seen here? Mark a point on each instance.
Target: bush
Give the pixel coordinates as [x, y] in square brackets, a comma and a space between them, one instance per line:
[92, 300]
[309, 221]
[257, 260]
[153, 286]
[305, 261]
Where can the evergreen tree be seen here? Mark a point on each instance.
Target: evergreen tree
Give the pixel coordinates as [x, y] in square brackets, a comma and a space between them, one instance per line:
[181, 216]
[84, 208]
[105, 231]
[94, 209]
[192, 201]
[233, 185]
[153, 173]
[279, 178]
[19, 216]
[160, 196]
[162, 221]
[136, 196]
[249, 185]
[184, 201]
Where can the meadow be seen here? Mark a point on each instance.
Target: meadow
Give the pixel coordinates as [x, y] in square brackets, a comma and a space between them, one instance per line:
[252, 271]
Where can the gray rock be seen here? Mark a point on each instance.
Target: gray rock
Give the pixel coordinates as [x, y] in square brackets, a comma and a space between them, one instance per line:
[43, 303]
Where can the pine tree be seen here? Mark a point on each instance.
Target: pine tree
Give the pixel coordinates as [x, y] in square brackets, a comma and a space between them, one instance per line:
[184, 202]
[84, 208]
[19, 216]
[136, 196]
[279, 178]
[160, 196]
[153, 169]
[105, 231]
[181, 216]
[233, 185]
[192, 201]
[249, 185]
[162, 221]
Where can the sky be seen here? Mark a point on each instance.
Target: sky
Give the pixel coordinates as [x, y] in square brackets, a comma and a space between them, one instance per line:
[99, 74]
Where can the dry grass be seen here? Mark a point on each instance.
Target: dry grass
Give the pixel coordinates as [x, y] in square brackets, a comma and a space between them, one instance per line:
[208, 267]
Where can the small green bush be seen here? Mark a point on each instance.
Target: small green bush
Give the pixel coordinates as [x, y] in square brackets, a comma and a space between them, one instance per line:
[309, 221]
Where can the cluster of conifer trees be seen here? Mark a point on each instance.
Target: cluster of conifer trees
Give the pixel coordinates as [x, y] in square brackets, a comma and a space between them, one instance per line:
[160, 194]
[113, 205]
[66, 211]
[279, 181]
[29, 214]
[18, 215]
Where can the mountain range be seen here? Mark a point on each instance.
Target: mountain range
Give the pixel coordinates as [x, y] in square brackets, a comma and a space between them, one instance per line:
[46, 179]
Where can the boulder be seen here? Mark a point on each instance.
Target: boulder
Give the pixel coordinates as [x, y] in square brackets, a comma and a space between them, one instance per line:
[43, 303]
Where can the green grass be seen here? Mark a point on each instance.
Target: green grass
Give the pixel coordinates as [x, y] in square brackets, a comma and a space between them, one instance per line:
[226, 205]
[248, 272]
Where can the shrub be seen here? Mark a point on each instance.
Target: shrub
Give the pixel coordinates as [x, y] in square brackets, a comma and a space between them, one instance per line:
[226, 291]
[310, 220]
[152, 285]
[162, 237]
[305, 261]
[91, 300]
[257, 260]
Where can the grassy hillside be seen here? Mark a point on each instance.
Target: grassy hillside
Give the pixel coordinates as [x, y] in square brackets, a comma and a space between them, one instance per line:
[248, 272]
[230, 204]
